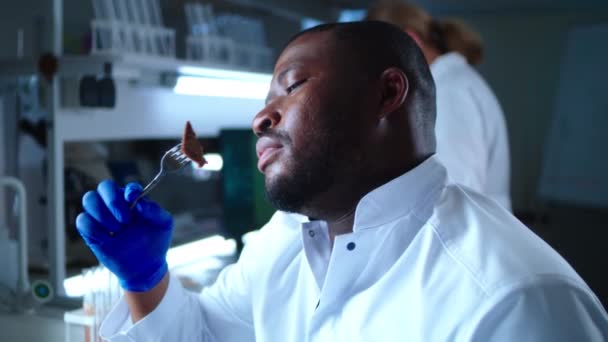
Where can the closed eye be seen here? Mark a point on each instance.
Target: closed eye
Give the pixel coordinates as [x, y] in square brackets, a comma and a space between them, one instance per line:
[294, 86]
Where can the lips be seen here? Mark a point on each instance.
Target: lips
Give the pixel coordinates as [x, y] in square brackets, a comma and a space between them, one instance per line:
[267, 150]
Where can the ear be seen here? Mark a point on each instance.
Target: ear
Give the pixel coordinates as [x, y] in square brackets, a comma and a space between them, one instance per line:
[416, 37]
[395, 87]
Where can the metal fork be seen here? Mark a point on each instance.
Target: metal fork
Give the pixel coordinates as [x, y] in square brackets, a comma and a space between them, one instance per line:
[173, 160]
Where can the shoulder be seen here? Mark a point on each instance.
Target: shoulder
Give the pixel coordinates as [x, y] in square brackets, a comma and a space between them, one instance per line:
[282, 232]
[541, 308]
[490, 245]
[281, 226]
[452, 69]
[522, 289]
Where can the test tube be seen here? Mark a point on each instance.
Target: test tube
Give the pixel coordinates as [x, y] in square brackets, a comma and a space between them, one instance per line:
[108, 10]
[134, 12]
[98, 9]
[88, 304]
[188, 11]
[210, 19]
[157, 19]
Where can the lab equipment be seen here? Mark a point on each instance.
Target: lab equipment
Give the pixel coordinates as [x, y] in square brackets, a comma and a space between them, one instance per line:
[102, 293]
[173, 160]
[131, 244]
[18, 285]
[228, 39]
[165, 113]
[204, 43]
[42, 291]
[133, 26]
[249, 37]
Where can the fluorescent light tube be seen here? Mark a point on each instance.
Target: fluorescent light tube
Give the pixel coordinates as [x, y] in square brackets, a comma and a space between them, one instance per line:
[222, 83]
[196, 252]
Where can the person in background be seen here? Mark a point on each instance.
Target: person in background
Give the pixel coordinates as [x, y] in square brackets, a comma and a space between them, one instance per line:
[395, 252]
[472, 139]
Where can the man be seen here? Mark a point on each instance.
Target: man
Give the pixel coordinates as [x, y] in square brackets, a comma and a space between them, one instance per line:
[393, 254]
[472, 139]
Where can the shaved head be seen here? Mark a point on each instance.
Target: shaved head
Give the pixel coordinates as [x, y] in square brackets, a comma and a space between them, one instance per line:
[373, 46]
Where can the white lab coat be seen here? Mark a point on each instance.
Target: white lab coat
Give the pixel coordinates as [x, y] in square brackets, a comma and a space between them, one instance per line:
[472, 139]
[426, 262]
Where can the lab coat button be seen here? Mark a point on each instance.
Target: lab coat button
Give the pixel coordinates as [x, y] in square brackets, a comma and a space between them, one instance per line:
[350, 246]
[311, 233]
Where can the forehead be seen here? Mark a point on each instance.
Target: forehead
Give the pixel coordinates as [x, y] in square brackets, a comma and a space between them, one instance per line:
[315, 49]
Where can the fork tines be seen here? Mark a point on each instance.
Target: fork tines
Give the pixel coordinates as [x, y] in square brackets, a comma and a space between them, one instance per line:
[176, 154]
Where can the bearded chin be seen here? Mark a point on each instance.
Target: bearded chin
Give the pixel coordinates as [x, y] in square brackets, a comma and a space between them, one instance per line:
[296, 190]
[284, 196]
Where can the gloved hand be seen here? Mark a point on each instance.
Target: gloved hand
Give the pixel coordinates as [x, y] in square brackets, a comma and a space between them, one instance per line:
[132, 244]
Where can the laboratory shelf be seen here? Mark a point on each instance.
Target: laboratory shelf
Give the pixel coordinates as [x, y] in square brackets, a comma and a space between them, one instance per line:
[147, 107]
[124, 65]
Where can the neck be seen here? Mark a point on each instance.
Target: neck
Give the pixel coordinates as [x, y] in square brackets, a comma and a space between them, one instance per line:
[430, 54]
[339, 210]
[342, 225]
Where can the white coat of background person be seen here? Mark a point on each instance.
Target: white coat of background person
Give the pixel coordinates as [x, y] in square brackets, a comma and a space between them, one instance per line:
[471, 131]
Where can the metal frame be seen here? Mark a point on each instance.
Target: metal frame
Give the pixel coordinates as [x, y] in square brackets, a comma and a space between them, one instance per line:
[55, 166]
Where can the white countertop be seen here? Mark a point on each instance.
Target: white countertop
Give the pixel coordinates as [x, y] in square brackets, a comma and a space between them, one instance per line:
[44, 326]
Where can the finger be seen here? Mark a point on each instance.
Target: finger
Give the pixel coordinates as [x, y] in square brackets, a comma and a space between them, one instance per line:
[132, 190]
[154, 215]
[90, 230]
[114, 199]
[94, 205]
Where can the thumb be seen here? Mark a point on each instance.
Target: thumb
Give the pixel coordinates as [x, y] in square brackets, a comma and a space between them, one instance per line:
[132, 190]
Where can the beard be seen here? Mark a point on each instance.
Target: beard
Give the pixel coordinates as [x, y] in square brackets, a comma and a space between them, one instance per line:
[308, 177]
[311, 170]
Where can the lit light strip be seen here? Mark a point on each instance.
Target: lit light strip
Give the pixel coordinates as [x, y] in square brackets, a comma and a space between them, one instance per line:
[225, 74]
[222, 83]
[194, 252]
[75, 286]
[204, 86]
[214, 246]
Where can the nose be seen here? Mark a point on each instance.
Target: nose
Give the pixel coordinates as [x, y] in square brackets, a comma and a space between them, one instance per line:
[267, 119]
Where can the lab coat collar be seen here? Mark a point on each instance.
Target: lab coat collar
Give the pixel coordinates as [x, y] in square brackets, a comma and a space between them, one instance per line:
[446, 62]
[401, 196]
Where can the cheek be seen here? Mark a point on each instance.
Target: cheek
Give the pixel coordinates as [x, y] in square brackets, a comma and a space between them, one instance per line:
[307, 118]
[300, 113]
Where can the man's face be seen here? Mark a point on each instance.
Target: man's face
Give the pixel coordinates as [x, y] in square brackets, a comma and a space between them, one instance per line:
[312, 127]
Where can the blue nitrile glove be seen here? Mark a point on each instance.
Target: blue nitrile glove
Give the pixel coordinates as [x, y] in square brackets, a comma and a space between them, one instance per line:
[132, 244]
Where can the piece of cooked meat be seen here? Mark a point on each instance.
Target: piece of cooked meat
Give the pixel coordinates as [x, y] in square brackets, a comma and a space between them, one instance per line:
[191, 147]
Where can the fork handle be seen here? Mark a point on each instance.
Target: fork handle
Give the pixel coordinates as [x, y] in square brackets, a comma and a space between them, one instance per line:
[147, 189]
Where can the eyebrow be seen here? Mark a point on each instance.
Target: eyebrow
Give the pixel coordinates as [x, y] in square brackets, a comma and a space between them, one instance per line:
[284, 72]
[281, 76]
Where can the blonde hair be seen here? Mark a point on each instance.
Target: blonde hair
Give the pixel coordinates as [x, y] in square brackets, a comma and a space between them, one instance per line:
[445, 35]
